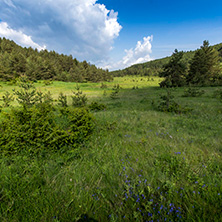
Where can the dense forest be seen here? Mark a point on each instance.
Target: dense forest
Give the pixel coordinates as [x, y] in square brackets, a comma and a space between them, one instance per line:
[153, 68]
[45, 65]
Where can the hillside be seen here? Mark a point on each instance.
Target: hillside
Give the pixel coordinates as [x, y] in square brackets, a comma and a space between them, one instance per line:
[42, 65]
[153, 68]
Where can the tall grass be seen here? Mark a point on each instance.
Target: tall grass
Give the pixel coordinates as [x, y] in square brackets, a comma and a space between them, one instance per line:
[139, 165]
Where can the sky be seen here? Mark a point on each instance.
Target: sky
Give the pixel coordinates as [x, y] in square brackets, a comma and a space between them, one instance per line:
[112, 34]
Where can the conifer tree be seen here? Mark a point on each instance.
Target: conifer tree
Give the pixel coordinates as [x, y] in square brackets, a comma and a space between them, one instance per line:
[205, 66]
[174, 71]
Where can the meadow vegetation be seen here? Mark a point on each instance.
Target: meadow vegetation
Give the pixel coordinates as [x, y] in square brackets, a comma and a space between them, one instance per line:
[139, 153]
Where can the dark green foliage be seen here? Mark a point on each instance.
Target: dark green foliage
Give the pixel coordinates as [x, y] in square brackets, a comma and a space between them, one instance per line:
[115, 92]
[7, 98]
[168, 104]
[37, 128]
[48, 82]
[26, 96]
[78, 98]
[103, 86]
[174, 71]
[62, 100]
[193, 92]
[16, 61]
[205, 67]
[95, 106]
[218, 94]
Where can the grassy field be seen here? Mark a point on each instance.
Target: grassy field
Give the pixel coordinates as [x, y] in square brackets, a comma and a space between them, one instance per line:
[140, 164]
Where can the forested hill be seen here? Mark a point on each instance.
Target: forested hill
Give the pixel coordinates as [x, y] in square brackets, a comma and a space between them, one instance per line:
[155, 67]
[43, 65]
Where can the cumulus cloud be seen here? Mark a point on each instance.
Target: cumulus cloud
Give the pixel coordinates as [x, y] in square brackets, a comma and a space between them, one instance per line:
[139, 54]
[83, 28]
[19, 37]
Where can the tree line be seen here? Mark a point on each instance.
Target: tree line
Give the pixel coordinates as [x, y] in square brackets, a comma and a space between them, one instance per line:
[16, 61]
[182, 67]
[205, 68]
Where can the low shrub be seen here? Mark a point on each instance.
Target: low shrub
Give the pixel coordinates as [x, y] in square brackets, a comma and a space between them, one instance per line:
[218, 94]
[78, 98]
[38, 128]
[168, 104]
[7, 98]
[95, 106]
[62, 100]
[193, 92]
[115, 92]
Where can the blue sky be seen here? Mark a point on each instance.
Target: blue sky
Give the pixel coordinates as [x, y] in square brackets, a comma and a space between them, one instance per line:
[112, 34]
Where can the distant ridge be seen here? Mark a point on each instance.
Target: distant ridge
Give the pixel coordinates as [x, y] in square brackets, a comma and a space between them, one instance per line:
[154, 67]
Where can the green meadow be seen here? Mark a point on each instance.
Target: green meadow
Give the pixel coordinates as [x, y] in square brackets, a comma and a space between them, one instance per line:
[140, 164]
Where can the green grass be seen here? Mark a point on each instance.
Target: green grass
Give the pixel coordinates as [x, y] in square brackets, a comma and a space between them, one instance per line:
[139, 165]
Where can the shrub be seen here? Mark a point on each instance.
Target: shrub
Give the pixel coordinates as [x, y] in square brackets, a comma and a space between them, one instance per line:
[78, 98]
[62, 100]
[218, 94]
[7, 98]
[95, 106]
[103, 86]
[39, 128]
[115, 92]
[193, 92]
[47, 82]
[167, 104]
[26, 96]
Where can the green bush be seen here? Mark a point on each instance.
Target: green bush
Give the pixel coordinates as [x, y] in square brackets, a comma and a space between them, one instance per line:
[95, 106]
[7, 98]
[78, 98]
[218, 94]
[38, 128]
[193, 92]
[48, 82]
[168, 104]
[115, 92]
[62, 100]
[103, 86]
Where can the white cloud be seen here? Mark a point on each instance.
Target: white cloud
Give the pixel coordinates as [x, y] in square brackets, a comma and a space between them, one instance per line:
[19, 37]
[140, 54]
[82, 28]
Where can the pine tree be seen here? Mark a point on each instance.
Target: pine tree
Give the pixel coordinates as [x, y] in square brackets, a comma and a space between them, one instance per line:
[205, 66]
[174, 71]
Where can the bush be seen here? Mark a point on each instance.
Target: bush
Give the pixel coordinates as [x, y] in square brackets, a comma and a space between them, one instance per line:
[218, 94]
[47, 82]
[95, 106]
[78, 98]
[62, 100]
[193, 92]
[7, 99]
[169, 105]
[103, 86]
[39, 128]
[115, 92]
